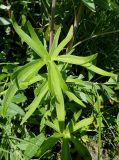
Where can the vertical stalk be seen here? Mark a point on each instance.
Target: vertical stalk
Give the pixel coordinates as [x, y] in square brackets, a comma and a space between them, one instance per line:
[52, 23]
[76, 24]
[99, 136]
[99, 129]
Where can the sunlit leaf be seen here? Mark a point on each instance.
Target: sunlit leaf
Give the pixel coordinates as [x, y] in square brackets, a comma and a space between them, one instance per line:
[97, 70]
[54, 83]
[74, 98]
[37, 47]
[75, 59]
[83, 123]
[90, 4]
[63, 43]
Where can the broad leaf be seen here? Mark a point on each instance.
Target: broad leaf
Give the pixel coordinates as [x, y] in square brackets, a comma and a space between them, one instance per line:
[48, 144]
[14, 110]
[63, 43]
[32, 107]
[75, 59]
[33, 147]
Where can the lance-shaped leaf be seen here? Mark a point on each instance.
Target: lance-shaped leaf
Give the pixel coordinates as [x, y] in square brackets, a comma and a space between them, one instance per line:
[28, 70]
[83, 123]
[55, 87]
[81, 148]
[95, 69]
[55, 41]
[32, 107]
[75, 59]
[20, 76]
[63, 43]
[37, 47]
[54, 125]
[74, 98]
[48, 144]
[65, 151]
[90, 4]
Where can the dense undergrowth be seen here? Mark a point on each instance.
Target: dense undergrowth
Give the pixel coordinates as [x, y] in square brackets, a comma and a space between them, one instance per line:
[59, 80]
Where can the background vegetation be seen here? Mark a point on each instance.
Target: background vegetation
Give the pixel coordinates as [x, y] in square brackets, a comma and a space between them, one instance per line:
[55, 106]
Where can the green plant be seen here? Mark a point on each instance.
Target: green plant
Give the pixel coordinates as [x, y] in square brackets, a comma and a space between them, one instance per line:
[54, 85]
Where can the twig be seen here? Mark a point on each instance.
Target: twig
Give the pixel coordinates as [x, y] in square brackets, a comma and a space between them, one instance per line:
[52, 23]
[76, 24]
[95, 36]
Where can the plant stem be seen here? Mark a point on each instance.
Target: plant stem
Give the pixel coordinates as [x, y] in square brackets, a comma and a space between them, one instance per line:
[95, 36]
[52, 23]
[76, 24]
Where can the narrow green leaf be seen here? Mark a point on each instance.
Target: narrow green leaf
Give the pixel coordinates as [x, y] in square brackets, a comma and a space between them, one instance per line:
[81, 148]
[55, 41]
[38, 48]
[36, 39]
[34, 35]
[63, 43]
[48, 144]
[74, 98]
[83, 123]
[28, 70]
[90, 4]
[52, 125]
[77, 115]
[97, 70]
[32, 107]
[54, 82]
[20, 76]
[65, 151]
[75, 59]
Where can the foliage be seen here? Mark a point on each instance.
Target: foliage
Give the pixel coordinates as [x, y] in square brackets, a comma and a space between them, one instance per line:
[55, 100]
